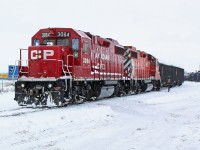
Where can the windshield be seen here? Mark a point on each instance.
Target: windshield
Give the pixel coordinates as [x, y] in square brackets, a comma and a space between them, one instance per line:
[64, 42]
[61, 42]
[49, 42]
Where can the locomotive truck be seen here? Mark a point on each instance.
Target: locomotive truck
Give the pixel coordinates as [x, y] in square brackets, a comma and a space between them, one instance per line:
[71, 66]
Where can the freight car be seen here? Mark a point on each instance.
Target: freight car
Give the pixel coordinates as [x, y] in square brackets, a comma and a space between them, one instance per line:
[171, 75]
[71, 66]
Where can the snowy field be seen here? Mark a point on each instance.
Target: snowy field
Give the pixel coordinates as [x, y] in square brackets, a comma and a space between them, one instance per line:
[150, 121]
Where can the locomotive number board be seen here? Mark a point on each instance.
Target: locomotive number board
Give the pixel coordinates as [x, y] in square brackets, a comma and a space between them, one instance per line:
[58, 34]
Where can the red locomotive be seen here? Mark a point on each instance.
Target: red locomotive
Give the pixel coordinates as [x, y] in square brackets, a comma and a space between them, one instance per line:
[70, 66]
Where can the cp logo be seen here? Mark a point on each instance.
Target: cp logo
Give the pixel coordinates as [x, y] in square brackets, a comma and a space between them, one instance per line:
[37, 54]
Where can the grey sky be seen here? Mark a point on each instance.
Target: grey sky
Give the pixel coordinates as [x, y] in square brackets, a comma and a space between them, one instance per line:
[168, 29]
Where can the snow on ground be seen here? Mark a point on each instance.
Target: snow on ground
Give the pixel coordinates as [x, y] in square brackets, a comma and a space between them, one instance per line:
[154, 121]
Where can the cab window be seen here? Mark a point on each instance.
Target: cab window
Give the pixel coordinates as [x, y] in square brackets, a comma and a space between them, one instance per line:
[49, 42]
[36, 42]
[85, 47]
[63, 42]
[75, 44]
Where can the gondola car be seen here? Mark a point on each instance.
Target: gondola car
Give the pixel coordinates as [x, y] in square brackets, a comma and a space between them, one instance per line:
[171, 75]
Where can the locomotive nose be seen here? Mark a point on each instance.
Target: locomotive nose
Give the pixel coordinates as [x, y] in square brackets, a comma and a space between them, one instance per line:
[45, 61]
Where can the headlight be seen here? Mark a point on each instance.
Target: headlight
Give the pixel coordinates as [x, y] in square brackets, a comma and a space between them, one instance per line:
[22, 85]
[50, 85]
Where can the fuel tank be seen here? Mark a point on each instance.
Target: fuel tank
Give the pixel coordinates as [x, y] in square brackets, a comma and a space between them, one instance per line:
[106, 91]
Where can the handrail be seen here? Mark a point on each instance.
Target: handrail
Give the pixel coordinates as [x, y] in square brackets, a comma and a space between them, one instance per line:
[62, 67]
[22, 49]
[21, 65]
[67, 66]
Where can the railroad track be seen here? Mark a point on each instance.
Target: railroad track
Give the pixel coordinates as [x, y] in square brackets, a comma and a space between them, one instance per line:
[23, 111]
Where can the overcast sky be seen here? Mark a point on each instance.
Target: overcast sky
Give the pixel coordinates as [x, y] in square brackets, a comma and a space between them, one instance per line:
[167, 29]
